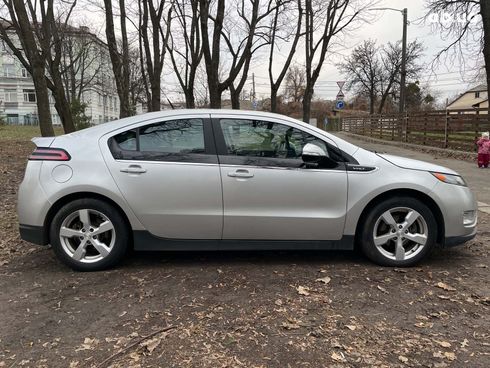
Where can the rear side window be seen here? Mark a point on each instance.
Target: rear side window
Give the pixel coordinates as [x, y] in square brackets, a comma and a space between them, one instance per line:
[172, 140]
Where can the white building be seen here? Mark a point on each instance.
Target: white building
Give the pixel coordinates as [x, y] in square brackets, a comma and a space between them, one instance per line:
[97, 89]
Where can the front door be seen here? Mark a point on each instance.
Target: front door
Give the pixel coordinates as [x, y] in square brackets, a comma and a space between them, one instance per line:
[268, 191]
[168, 173]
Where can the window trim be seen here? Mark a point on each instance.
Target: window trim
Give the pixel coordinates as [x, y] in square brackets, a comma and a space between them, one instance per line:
[270, 162]
[208, 157]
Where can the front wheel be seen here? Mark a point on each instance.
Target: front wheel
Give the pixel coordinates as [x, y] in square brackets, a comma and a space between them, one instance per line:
[89, 235]
[399, 232]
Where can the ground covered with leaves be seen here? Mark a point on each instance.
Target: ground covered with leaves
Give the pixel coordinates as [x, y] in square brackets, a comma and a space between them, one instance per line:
[238, 309]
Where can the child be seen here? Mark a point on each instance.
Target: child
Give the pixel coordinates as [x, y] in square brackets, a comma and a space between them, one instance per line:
[483, 150]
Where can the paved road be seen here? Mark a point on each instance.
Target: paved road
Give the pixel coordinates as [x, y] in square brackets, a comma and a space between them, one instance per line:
[477, 179]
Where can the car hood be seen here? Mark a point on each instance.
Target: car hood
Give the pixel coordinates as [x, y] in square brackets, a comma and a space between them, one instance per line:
[408, 163]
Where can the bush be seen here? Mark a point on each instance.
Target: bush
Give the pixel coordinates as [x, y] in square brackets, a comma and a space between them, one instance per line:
[80, 120]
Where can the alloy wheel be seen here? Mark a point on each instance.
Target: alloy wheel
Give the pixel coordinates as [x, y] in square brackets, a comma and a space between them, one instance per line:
[400, 233]
[87, 235]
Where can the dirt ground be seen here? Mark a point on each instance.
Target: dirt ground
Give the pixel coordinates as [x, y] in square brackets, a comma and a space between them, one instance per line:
[241, 309]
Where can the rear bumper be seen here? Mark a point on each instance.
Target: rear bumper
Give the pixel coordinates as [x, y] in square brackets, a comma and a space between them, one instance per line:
[33, 234]
[452, 241]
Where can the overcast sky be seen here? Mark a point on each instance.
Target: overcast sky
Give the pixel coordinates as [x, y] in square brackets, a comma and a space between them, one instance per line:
[445, 81]
[387, 27]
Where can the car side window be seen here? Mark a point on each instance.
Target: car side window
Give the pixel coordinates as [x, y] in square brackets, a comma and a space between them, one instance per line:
[175, 136]
[171, 140]
[254, 138]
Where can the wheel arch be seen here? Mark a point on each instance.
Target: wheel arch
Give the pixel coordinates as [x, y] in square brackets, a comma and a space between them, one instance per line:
[424, 198]
[81, 195]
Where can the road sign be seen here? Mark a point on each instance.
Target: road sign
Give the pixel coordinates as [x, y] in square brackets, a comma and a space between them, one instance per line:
[340, 84]
[340, 95]
[339, 105]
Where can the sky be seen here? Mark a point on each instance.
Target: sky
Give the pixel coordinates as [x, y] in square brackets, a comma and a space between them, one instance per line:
[445, 81]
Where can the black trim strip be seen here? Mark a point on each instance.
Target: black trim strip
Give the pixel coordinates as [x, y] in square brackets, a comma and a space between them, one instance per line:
[145, 241]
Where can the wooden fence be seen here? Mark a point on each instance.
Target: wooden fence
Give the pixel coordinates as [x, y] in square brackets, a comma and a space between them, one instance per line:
[455, 129]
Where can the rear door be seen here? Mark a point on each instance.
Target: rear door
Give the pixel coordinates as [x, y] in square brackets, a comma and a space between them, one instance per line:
[268, 192]
[168, 172]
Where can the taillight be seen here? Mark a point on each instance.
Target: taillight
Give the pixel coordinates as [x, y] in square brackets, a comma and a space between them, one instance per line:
[49, 154]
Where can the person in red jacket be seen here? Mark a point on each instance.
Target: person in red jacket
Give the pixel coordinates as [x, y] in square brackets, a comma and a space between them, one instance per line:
[483, 150]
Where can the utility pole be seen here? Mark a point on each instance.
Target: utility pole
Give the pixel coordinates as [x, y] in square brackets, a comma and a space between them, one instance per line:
[404, 62]
[253, 86]
[403, 72]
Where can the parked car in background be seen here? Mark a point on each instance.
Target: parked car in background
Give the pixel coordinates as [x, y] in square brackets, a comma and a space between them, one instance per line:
[186, 180]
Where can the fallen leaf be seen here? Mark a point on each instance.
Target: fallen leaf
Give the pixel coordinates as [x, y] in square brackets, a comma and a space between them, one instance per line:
[325, 279]
[337, 357]
[445, 286]
[88, 344]
[302, 290]
[383, 289]
[290, 325]
[444, 344]
[450, 355]
[351, 327]
[151, 344]
[402, 359]
[464, 343]
[278, 302]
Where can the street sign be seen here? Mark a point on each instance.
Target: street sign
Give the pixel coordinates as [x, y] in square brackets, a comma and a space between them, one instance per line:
[339, 105]
[340, 95]
[340, 84]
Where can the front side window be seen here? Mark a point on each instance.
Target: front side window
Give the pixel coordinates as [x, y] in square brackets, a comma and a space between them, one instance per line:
[255, 138]
[179, 140]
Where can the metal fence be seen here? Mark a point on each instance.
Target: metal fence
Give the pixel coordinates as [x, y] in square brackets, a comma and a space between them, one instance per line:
[454, 129]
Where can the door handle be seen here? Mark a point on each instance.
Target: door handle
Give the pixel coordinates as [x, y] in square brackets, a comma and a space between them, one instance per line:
[134, 169]
[240, 173]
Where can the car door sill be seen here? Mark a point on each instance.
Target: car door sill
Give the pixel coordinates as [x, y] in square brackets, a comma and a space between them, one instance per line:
[145, 241]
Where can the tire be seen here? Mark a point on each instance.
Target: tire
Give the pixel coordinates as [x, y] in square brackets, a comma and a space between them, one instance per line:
[89, 235]
[405, 245]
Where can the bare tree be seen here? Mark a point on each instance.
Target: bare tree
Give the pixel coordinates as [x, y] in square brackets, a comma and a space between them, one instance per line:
[324, 21]
[469, 29]
[364, 71]
[154, 45]
[279, 30]
[186, 53]
[29, 54]
[119, 54]
[33, 32]
[243, 52]
[391, 67]
[81, 61]
[294, 89]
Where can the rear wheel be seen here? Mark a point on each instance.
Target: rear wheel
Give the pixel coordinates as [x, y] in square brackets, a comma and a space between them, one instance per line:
[89, 235]
[399, 232]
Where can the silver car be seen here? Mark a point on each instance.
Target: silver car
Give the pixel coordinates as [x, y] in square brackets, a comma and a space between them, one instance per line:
[232, 180]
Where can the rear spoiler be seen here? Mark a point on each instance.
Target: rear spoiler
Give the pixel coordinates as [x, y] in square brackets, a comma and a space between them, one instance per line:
[43, 141]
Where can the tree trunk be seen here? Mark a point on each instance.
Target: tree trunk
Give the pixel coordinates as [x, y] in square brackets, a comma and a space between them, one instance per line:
[190, 102]
[485, 14]
[371, 103]
[155, 95]
[62, 104]
[235, 98]
[42, 99]
[214, 97]
[307, 97]
[273, 99]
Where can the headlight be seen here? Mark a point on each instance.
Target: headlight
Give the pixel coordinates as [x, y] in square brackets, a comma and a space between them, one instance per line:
[450, 179]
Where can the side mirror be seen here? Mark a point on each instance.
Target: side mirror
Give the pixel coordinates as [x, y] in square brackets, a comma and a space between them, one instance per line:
[312, 154]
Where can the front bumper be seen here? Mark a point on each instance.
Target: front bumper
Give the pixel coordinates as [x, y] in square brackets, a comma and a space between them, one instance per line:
[33, 234]
[453, 241]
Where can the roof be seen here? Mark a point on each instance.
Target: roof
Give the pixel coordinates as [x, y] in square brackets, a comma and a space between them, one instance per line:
[479, 88]
[105, 128]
